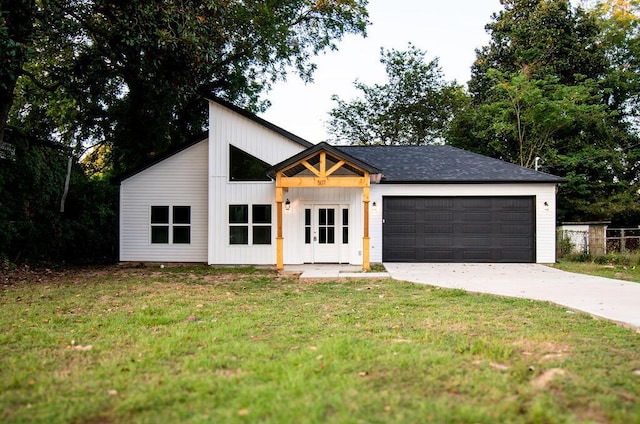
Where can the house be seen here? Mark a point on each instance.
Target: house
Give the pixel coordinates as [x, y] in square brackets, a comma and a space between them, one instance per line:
[250, 192]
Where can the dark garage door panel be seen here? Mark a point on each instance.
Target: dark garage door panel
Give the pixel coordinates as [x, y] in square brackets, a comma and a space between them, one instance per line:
[459, 229]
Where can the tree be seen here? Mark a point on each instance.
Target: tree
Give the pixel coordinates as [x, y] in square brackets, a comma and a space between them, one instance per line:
[527, 114]
[540, 38]
[131, 73]
[415, 106]
[16, 27]
[545, 86]
[620, 35]
[127, 78]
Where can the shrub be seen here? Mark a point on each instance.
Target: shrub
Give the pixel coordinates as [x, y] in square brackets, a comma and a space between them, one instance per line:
[564, 246]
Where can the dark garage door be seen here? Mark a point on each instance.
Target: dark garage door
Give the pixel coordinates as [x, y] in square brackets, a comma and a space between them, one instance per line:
[458, 229]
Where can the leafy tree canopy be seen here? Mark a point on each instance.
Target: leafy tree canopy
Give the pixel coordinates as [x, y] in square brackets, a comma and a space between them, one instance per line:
[540, 38]
[126, 77]
[527, 114]
[414, 106]
[130, 73]
[560, 84]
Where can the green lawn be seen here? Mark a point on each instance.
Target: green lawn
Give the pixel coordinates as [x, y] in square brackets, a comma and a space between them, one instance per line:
[205, 345]
[629, 272]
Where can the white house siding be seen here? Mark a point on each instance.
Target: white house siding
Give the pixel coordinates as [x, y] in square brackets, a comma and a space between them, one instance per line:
[180, 180]
[227, 127]
[545, 215]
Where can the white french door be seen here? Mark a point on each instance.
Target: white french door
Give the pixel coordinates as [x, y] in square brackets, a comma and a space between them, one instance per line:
[326, 233]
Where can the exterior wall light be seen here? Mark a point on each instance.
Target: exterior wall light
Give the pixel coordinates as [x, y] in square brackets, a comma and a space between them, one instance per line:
[546, 206]
[374, 206]
[287, 205]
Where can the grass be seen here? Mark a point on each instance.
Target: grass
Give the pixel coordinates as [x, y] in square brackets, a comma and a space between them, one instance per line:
[377, 267]
[621, 267]
[218, 345]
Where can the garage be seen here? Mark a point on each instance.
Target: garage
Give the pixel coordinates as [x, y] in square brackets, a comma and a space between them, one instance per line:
[459, 229]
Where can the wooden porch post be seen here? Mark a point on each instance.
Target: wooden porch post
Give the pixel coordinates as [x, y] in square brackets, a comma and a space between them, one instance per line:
[366, 265]
[279, 238]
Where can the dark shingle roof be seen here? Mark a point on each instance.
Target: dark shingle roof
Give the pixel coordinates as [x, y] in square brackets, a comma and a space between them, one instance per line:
[443, 164]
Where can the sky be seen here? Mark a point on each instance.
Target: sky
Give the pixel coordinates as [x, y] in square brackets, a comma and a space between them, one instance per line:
[450, 30]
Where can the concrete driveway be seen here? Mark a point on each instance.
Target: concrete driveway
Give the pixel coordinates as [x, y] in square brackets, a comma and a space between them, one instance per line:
[614, 300]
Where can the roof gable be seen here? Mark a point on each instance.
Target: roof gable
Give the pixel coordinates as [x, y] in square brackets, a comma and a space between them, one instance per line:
[314, 150]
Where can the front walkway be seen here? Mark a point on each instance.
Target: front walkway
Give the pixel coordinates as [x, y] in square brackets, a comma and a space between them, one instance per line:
[614, 300]
[332, 271]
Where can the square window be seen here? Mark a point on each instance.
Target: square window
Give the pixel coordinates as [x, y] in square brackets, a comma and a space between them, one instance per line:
[182, 214]
[238, 214]
[238, 235]
[182, 235]
[170, 224]
[159, 214]
[261, 235]
[261, 214]
[160, 234]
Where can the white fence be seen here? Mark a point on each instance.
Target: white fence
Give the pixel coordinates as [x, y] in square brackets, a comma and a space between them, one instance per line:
[594, 241]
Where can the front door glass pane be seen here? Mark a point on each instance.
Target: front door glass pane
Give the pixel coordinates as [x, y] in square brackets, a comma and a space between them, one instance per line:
[331, 217]
[326, 225]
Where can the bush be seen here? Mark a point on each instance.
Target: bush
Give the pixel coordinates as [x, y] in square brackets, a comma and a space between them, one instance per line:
[564, 247]
[614, 258]
[625, 259]
[32, 228]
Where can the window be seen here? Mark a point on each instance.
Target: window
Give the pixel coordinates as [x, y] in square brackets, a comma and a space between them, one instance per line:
[170, 225]
[159, 224]
[245, 167]
[182, 224]
[307, 226]
[345, 226]
[242, 217]
[261, 218]
[238, 224]
[326, 225]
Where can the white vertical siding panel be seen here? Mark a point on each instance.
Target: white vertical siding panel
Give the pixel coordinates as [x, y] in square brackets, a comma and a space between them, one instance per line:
[546, 224]
[179, 180]
[227, 127]
[375, 222]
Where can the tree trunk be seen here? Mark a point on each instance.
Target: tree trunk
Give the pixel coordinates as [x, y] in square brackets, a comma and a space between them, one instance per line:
[5, 105]
[16, 16]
